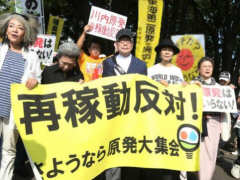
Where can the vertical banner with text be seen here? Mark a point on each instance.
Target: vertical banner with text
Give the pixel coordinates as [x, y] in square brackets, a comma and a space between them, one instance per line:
[55, 27]
[149, 27]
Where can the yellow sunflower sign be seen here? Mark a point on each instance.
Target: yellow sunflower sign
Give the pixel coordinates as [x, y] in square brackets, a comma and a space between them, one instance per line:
[192, 49]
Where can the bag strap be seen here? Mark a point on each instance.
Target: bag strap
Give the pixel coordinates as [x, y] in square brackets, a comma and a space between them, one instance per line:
[117, 67]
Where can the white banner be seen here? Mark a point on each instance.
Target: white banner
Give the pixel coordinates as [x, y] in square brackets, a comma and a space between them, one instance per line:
[44, 47]
[219, 99]
[105, 23]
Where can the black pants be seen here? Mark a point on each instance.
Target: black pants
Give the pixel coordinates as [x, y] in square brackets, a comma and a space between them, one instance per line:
[131, 173]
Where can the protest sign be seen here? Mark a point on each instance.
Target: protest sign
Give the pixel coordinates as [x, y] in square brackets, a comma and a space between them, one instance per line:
[105, 24]
[55, 26]
[32, 7]
[75, 131]
[192, 49]
[149, 27]
[44, 47]
[219, 99]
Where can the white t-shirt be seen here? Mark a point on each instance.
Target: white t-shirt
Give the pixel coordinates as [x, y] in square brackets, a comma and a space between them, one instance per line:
[123, 62]
[171, 74]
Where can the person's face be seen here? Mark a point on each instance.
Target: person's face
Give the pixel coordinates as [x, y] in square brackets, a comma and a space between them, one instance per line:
[223, 82]
[206, 69]
[66, 63]
[94, 50]
[124, 46]
[15, 32]
[166, 54]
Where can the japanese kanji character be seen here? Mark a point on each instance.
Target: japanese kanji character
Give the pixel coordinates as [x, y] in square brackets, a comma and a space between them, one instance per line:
[174, 147]
[101, 153]
[113, 20]
[144, 145]
[72, 160]
[129, 144]
[146, 56]
[151, 96]
[121, 23]
[114, 147]
[147, 49]
[105, 17]
[82, 105]
[39, 108]
[149, 38]
[112, 99]
[89, 163]
[151, 17]
[53, 173]
[152, 9]
[161, 145]
[38, 43]
[150, 29]
[171, 103]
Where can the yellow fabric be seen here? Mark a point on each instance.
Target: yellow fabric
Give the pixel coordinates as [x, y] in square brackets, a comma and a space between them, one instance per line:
[149, 27]
[114, 117]
[91, 68]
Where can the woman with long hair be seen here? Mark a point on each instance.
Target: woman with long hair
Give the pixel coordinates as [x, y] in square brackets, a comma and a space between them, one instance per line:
[17, 65]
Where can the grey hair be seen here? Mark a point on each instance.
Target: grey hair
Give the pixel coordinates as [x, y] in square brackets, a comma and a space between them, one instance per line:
[68, 49]
[30, 24]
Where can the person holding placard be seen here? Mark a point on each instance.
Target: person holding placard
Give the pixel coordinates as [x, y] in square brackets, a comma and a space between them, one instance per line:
[90, 65]
[165, 73]
[211, 124]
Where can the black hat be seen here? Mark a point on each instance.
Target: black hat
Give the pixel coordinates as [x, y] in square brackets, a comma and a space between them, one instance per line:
[167, 43]
[124, 32]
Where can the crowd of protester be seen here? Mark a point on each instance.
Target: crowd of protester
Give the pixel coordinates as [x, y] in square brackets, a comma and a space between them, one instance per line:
[19, 65]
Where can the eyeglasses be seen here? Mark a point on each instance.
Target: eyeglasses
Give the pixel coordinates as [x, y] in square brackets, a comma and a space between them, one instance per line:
[62, 63]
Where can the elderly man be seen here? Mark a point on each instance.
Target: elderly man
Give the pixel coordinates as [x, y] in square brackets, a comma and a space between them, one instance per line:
[123, 63]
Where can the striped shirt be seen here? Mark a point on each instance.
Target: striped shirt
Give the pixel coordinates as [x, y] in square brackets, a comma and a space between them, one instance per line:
[11, 72]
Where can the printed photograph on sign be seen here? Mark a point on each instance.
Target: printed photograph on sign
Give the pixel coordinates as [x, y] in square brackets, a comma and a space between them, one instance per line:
[192, 49]
[44, 47]
[105, 24]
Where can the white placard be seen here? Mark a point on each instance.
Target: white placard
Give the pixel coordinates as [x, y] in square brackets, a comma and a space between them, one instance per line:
[219, 99]
[44, 47]
[105, 24]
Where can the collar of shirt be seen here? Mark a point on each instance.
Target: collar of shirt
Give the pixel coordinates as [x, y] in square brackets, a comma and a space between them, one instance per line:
[123, 61]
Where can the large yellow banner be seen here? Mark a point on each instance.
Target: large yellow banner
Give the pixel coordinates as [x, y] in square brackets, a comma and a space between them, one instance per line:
[75, 131]
[149, 27]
